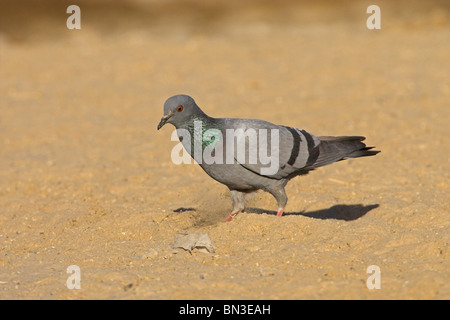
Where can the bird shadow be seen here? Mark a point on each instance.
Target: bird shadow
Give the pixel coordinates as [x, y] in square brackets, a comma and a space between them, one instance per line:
[347, 212]
[183, 209]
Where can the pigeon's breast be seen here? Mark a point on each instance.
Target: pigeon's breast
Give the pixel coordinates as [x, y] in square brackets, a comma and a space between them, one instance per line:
[235, 176]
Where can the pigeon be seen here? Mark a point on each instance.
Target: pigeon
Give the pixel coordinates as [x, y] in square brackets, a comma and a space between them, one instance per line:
[248, 155]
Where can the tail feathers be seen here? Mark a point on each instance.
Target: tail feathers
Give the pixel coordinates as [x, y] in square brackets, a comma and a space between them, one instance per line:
[364, 152]
[332, 149]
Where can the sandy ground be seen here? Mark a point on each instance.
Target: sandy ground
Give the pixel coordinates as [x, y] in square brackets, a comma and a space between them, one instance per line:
[87, 180]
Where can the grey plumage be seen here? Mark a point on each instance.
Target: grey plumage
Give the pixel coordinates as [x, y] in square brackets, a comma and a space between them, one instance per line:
[296, 151]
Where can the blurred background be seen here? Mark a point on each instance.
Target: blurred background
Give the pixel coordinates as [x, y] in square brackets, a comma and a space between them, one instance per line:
[86, 179]
[281, 57]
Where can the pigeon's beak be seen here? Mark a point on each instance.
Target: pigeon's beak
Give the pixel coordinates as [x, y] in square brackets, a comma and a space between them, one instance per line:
[164, 119]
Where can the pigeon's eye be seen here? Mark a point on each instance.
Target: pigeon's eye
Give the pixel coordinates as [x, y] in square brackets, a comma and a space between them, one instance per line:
[180, 108]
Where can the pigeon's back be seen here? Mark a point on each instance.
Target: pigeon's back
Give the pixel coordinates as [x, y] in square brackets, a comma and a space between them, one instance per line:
[266, 149]
[281, 152]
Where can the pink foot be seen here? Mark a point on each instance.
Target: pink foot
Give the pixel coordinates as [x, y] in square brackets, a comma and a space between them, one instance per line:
[231, 216]
[280, 212]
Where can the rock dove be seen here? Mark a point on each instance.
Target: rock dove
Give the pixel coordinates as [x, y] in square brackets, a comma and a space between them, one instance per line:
[248, 155]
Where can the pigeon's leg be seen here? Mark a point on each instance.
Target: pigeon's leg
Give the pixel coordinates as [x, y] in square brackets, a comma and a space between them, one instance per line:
[238, 203]
[280, 195]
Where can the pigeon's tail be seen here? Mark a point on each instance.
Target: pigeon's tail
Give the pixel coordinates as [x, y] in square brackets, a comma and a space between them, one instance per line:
[332, 149]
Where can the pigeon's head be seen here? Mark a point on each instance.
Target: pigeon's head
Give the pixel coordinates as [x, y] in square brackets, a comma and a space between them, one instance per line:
[179, 110]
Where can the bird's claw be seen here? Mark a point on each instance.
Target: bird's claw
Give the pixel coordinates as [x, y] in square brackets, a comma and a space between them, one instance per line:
[231, 216]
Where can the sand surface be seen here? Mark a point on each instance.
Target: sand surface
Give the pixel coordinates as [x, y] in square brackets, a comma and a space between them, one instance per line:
[87, 180]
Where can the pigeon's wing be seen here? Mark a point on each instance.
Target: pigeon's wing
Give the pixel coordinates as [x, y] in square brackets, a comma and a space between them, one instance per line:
[268, 149]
